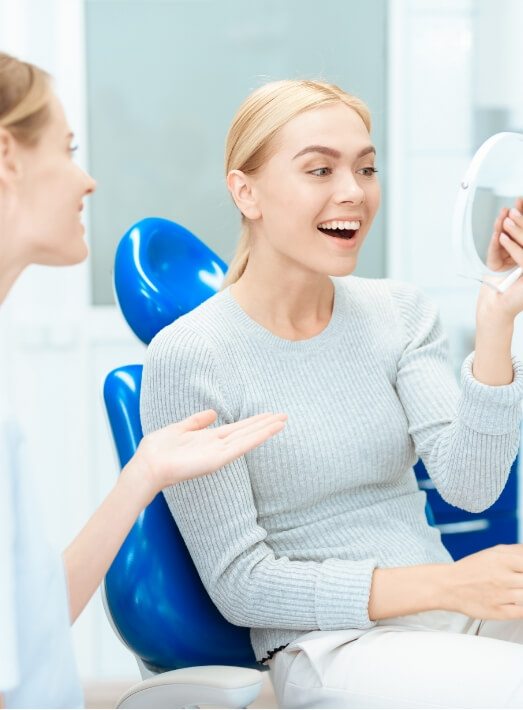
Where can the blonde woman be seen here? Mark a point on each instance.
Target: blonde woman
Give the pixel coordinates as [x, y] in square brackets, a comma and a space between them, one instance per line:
[318, 541]
[41, 198]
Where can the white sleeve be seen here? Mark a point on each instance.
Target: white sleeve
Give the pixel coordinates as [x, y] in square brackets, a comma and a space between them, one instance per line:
[9, 666]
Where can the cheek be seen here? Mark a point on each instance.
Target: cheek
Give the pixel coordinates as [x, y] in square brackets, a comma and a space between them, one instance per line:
[374, 197]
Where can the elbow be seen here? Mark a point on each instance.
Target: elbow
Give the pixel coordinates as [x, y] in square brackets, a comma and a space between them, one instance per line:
[481, 502]
[232, 609]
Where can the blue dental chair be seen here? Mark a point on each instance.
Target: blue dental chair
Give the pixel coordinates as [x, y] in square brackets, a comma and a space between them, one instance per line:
[188, 654]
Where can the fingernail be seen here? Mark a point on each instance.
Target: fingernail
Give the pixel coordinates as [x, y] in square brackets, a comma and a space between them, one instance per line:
[513, 212]
[509, 222]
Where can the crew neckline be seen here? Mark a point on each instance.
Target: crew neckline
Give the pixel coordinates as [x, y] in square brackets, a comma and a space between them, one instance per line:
[331, 331]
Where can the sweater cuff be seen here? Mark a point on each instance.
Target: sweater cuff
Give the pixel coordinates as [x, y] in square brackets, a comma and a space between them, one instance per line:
[342, 594]
[490, 409]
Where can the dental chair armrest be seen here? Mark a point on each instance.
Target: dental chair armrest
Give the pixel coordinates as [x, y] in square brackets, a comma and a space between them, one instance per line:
[221, 686]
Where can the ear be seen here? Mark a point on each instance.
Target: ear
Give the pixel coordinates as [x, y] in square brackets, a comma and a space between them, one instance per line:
[10, 164]
[241, 189]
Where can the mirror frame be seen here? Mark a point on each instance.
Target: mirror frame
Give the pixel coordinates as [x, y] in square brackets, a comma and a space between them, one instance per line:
[463, 238]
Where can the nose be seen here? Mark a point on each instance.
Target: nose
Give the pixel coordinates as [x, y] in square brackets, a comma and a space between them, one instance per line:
[349, 190]
[91, 184]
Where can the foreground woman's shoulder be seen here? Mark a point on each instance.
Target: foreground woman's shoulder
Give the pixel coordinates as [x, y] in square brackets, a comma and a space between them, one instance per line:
[205, 325]
[381, 289]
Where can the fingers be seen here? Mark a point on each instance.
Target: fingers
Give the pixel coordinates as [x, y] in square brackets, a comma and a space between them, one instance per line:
[200, 420]
[513, 225]
[226, 430]
[498, 224]
[512, 247]
[245, 441]
[253, 427]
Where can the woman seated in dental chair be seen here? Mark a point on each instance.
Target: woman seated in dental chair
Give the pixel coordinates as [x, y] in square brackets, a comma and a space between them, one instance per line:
[41, 190]
[318, 541]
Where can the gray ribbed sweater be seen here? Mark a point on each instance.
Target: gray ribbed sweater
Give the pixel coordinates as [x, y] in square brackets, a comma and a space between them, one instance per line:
[286, 538]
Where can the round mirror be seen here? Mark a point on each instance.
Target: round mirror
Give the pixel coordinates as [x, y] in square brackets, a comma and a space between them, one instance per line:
[492, 185]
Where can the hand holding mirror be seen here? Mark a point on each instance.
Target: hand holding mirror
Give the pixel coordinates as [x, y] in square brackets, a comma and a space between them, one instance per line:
[492, 185]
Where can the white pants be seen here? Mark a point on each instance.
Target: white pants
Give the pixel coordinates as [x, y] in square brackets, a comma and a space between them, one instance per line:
[428, 660]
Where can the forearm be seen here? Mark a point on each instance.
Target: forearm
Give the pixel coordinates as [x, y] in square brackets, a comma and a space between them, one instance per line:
[399, 591]
[492, 358]
[91, 553]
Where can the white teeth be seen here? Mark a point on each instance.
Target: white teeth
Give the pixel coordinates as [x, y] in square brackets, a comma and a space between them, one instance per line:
[340, 225]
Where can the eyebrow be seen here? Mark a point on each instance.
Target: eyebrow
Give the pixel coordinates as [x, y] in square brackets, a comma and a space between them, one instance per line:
[332, 152]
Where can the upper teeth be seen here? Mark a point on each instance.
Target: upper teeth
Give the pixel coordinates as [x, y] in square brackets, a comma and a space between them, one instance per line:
[339, 225]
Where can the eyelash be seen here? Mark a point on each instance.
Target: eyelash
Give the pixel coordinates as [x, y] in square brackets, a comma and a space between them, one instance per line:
[373, 171]
[73, 149]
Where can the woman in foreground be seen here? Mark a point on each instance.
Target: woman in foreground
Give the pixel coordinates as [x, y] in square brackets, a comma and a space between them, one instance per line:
[319, 540]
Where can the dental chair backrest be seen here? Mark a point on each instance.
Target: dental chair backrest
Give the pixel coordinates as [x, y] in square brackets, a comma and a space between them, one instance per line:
[156, 601]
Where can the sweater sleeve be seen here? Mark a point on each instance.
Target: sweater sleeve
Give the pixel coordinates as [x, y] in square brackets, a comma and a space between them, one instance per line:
[217, 517]
[469, 439]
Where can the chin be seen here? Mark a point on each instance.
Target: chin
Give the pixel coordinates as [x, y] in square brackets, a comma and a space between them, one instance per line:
[343, 269]
[68, 257]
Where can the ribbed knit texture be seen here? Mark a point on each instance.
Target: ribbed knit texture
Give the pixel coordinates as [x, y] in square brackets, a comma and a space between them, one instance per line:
[286, 538]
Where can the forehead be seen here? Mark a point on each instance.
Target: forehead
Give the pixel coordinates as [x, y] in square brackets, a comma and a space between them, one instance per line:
[336, 125]
[58, 126]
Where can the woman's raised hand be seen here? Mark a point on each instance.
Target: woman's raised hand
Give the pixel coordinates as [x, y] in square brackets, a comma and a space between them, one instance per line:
[488, 584]
[505, 251]
[498, 258]
[189, 448]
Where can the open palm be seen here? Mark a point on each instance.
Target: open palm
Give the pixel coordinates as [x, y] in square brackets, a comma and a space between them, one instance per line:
[190, 448]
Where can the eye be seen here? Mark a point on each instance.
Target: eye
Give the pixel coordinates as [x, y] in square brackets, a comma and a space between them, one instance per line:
[368, 172]
[321, 172]
[73, 149]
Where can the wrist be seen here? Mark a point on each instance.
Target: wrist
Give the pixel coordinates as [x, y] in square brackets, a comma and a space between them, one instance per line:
[443, 587]
[491, 318]
[134, 482]
[401, 591]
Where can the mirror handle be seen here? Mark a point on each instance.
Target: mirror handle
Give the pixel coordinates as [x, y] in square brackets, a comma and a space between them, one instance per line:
[511, 278]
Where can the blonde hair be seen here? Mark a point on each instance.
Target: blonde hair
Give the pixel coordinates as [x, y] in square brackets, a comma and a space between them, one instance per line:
[25, 91]
[250, 140]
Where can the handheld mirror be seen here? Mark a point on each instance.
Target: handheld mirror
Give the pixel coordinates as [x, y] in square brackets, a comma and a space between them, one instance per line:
[493, 182]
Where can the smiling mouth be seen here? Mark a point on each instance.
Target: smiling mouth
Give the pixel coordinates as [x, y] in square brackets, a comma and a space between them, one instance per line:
[339, 233]
[341, 229]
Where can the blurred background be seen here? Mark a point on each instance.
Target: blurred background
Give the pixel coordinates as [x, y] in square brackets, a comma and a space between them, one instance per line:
[150, 87]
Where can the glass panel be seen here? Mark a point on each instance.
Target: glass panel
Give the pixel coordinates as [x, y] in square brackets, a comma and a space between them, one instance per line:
[165, 78]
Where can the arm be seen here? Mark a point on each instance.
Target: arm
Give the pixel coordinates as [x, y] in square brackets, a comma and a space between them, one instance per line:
[467, 440]
[91, 553]
[496, 312]
[485, 585]
[175, 453]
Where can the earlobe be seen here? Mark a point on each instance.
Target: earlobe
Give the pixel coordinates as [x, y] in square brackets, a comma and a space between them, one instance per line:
[242, 193]
[10, 167]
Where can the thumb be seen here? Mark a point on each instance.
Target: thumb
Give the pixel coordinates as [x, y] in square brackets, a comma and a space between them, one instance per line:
[200, 420]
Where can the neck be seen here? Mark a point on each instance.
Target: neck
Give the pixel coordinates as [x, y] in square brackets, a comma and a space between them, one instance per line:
[289, 301]
[11, 265]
